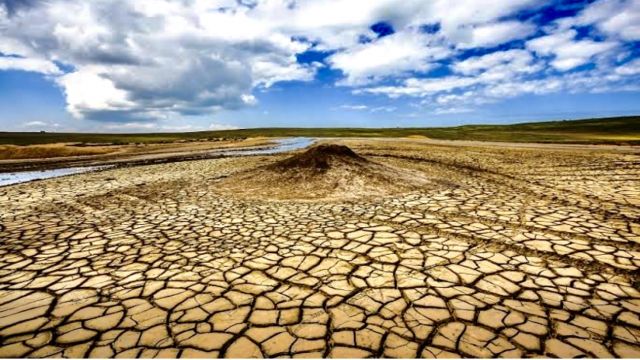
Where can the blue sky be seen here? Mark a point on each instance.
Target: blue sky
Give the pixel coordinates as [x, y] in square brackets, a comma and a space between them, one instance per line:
[169, 65]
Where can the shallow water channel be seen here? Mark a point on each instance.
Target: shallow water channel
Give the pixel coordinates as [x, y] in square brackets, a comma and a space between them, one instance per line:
[282, 145]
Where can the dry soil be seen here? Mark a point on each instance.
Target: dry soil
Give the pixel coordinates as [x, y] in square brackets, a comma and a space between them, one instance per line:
[500, 251]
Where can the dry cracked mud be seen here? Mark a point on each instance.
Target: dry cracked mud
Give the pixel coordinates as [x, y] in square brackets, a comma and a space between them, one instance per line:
[503, 252]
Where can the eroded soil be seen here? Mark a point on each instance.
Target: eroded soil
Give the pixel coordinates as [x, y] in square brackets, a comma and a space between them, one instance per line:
[322, 172]
[505, 252]
[60, 155]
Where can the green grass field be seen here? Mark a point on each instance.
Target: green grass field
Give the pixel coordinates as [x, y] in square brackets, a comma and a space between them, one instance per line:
[618, 130]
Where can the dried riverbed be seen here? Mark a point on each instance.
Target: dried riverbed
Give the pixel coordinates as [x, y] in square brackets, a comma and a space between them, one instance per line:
[511, 252]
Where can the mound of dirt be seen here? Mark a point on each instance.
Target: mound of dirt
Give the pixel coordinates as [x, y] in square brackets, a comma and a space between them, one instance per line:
[326, 172]
[320, 158]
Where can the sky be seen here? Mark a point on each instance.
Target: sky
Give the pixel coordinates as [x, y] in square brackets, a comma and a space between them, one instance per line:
[189, 65]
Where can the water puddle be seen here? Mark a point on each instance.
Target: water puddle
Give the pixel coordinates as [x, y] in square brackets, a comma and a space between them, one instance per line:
[282, 145]
[24, 176]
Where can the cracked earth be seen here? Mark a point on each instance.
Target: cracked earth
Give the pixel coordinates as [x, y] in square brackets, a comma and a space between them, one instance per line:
[505, 252]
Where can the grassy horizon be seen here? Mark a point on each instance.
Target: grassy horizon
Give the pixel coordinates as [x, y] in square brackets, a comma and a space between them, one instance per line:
[611, 130]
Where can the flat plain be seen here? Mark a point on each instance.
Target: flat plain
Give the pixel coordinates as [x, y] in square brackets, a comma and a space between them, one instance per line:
[614, 130]
[498, 251]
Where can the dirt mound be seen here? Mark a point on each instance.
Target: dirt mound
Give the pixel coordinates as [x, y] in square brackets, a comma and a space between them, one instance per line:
[322, 172]
[319, 158]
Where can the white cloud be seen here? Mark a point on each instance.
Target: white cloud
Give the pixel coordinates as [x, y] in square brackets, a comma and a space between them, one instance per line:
[476, 12]
[38, 125]
[452, 110]
[568, 53]
[465, 26]
[392, 55]
[268, 73]
[151, 59]
[339, 24]
[218, 126]
[249, 99]
[178, 128]
[167, 48]
[510, 89]
[630, 68]
[546, 45]
[162, 126]
[23, 64]
[493, 34]
[421, 87]
[131, 126]
[503, 75]
[383, 109]
[506, 74]
[87, 91]
[619, 18]
[373, 109]
[354, 107]
[465, 100]
[134, 61]
[498, 65]
[35, 124]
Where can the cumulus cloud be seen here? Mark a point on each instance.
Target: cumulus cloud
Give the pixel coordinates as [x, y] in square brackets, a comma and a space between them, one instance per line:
[162, 126]
[630, 68]
[493, 34]
[87, 91]
[499, 64]
[569, 53]
[505, 74]
[469, 24]
[393, 55]
[618, 18]
[134, 61]
[144, 59]
[149, 59]
[34, 65]
[422, 87]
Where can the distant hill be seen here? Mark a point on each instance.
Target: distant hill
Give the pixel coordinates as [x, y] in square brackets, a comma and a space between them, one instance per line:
[614, 130]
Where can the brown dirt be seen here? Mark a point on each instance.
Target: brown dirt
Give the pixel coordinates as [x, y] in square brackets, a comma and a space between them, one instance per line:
[10, 152]
[320, 158]
[51, 156]
[323, 172]
[528, 253]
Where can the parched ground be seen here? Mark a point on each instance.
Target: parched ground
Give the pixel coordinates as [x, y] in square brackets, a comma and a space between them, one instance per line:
[56, 155]
[511, 252]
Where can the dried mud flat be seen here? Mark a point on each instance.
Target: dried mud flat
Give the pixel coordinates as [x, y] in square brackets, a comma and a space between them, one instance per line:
[504, 252]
